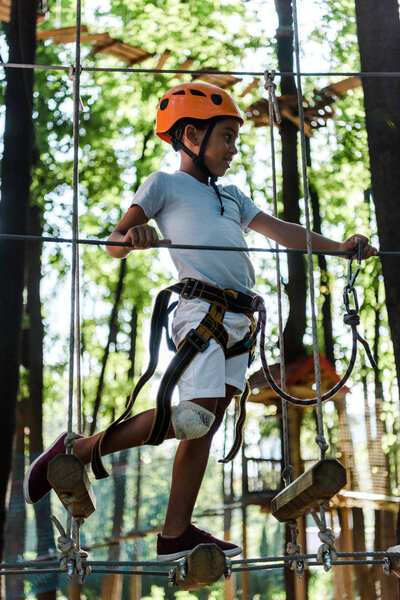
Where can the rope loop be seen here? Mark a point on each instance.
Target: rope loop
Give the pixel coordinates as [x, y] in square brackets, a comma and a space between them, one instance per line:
[70, 440]
[72, 558]
[293, 548]
[351, 318]
[258, 305]
[326, 553]
[286, 473]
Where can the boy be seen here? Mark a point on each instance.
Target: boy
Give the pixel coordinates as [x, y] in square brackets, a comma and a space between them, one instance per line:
[202, 122]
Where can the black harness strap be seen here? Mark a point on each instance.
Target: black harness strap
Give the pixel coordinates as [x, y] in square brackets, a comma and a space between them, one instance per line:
[157, 325]
[230, 300]
[196, 340]
[237, 442]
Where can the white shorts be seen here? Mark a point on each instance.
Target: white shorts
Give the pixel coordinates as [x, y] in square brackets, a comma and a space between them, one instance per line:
[209, 372]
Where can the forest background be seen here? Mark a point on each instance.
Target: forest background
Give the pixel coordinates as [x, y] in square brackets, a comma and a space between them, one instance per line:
[118, 151]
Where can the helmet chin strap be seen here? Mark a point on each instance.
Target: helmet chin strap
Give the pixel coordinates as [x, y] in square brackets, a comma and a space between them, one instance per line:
[199, 162]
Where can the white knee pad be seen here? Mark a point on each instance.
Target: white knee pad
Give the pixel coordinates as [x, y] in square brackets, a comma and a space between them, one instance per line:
[191, 420]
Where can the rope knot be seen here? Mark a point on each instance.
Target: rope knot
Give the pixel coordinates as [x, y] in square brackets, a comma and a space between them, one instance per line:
[351, 318]
[70, 439]
[326, 553]
[72, 558]
[292, 548]
[322, 443]
[286, 473]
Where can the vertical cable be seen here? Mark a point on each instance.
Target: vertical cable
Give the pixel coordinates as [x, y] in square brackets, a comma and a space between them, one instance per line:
[75, 77]
[274, 116]
[320, 439]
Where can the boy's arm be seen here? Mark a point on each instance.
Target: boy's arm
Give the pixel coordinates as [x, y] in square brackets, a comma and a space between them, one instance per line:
[294, 236]
[133, 229]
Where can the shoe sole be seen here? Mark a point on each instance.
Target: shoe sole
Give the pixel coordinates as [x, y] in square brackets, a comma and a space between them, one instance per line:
[29, 471]
[183, 553]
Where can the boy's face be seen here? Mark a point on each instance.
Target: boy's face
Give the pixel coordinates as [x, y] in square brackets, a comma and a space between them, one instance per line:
[221, 147]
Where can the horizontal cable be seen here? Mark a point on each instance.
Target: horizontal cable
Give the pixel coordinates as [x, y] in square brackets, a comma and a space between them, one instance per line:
[309, 564]
[379, 554]
[29, 571]
[204, 72]
[93, 242]
[291, 557]
[130, 563]
[247, 568]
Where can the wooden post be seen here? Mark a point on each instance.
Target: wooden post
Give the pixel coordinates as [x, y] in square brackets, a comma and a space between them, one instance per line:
[74, 591]
[135, 587]
[321, 481]
[346, 545]
[112, 586]
[245, 574]
[301, 584]
[203, 566]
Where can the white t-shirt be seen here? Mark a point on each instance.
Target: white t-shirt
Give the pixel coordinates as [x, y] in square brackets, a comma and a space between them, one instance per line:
[188, 212]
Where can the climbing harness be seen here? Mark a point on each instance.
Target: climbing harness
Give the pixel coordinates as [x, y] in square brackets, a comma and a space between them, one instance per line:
[196, 340]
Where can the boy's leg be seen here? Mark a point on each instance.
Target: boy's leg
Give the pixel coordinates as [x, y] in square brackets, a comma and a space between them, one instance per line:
[189, 467]
[127, 434]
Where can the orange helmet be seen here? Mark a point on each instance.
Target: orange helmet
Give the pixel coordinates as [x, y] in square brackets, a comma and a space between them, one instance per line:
[193, 100]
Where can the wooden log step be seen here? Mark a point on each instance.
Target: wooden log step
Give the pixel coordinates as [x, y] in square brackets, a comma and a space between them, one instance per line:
[68, 478]
[395, 561]
[203, 566]
[322, 481]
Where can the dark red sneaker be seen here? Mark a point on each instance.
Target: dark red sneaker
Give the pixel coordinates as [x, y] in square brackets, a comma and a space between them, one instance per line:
[174, 548]
[36, 485]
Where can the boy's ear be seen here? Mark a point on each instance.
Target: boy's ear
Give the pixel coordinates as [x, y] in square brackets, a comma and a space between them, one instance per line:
[191, 134]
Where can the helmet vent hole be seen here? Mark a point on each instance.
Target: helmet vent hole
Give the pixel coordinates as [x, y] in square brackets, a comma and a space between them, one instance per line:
[216, 99]
[179, 93]
[164, 104]
[197, 93]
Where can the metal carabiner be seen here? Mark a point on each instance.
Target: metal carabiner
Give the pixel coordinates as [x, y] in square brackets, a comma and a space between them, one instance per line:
[270, 86]
[351, 279]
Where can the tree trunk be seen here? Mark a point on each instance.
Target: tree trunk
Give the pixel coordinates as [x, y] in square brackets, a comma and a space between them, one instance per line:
[325, 282]
[32, 356]
[379, 43]
[344, 543]
[365, 575]
[112, 584]
[16, 517]
[112, 336]
[15, 173]
[296, 286]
